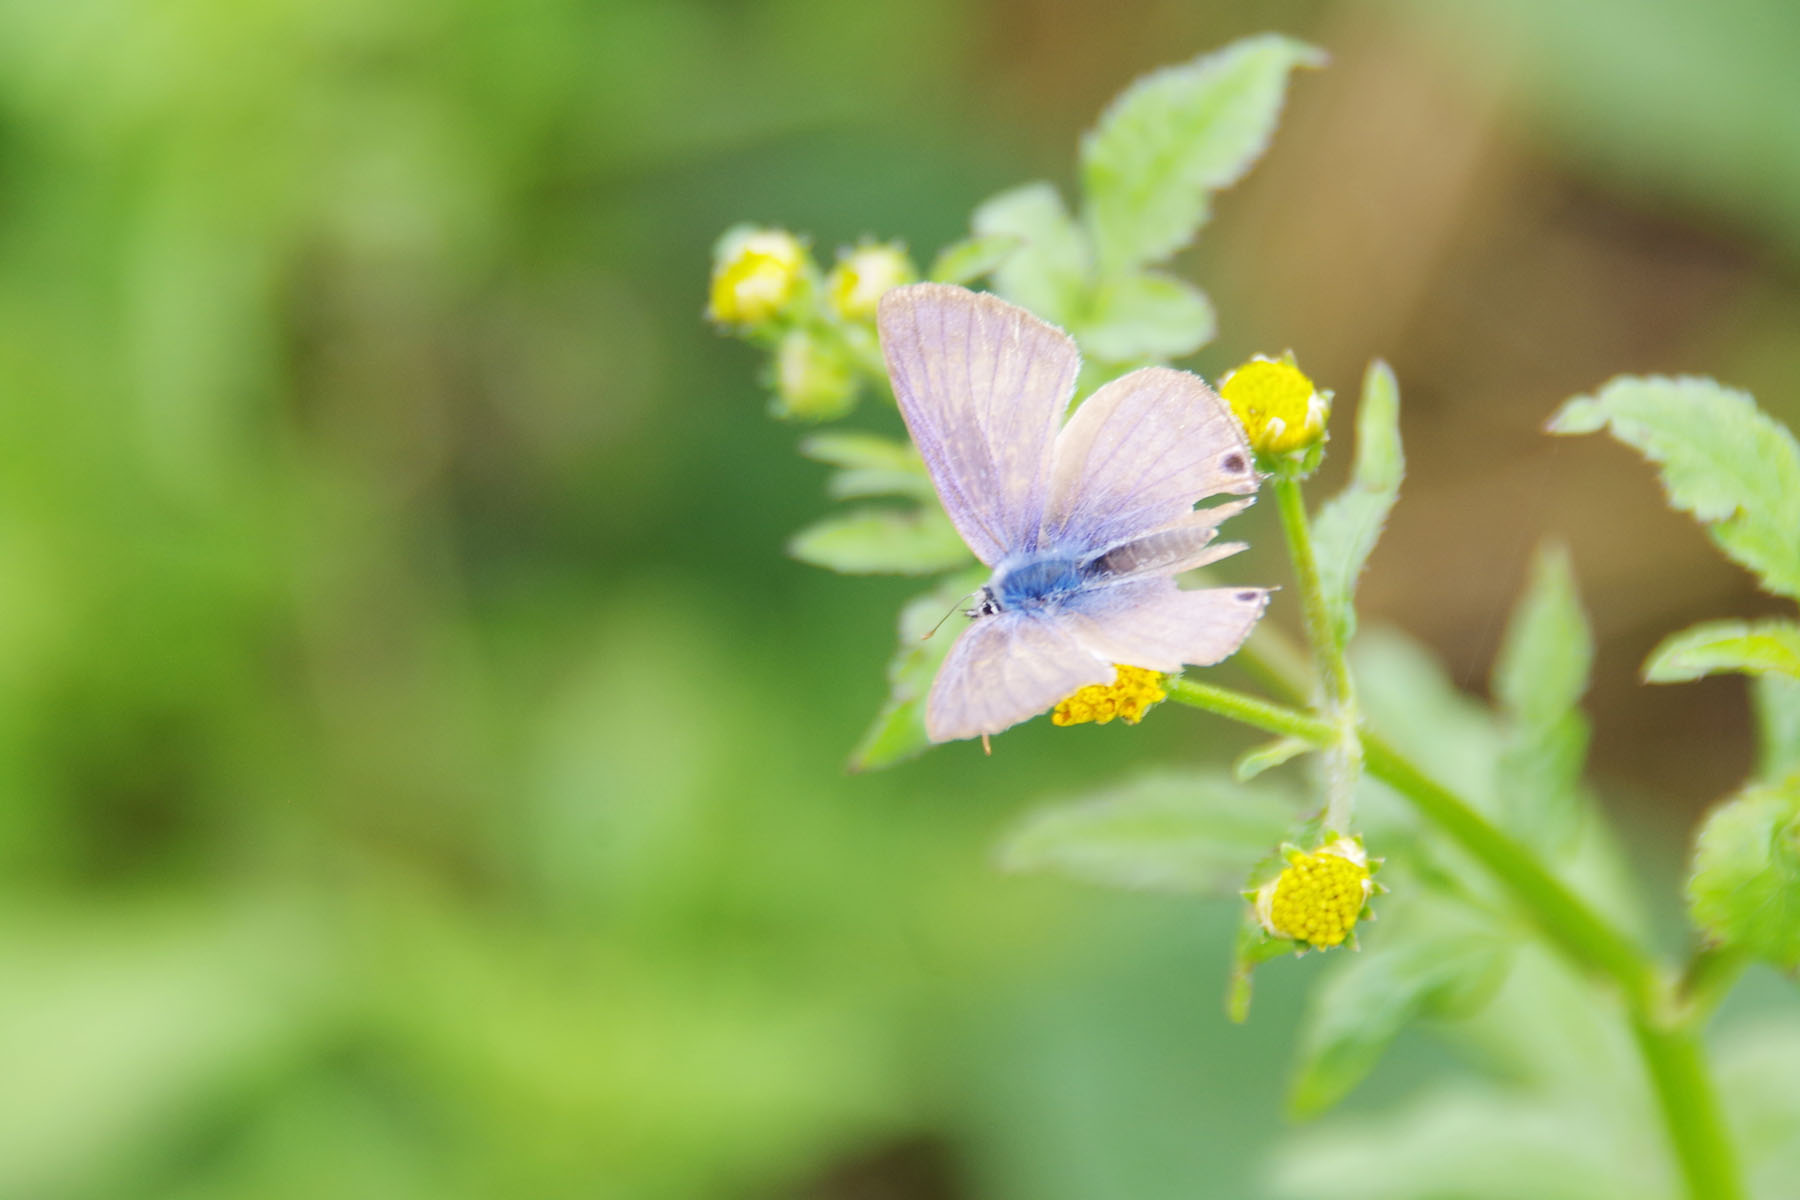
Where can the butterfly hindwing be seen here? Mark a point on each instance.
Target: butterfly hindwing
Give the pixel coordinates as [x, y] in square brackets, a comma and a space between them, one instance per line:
[982, 385]
[1152, 623]
[1136, 456]
[1006, 668]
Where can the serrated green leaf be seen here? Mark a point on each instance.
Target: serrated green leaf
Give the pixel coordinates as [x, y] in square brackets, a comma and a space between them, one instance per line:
[872, 465]
[1428, 958]
[1052, 268]
[1146, 317]
[1472, 1145]
[1255, 761]
[898, 731]
[881, 541]
[1776, 701]
[1168, 831]
[1176, 136]
[1539, 678]
[1723, 647]
[1745, 886]
[1732, 466]
[972, 258]
[1347, 528]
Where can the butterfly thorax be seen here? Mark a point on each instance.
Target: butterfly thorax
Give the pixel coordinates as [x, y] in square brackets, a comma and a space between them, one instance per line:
[1030, 582]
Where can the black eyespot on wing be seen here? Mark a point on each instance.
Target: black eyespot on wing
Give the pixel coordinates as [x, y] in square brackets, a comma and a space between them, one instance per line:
[1249, 597]
[1233, 463]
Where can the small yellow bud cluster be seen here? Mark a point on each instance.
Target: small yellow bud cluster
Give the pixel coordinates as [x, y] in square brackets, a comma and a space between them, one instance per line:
[813, 382]
[1128, 697]
[1319, 896]
[1280, 409]
[863, 275]
[756, 276]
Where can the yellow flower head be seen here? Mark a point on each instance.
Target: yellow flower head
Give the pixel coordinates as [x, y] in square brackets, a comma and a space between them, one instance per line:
[756, 273]
[863, 275]
[1278, 405]
[1127, 697]
[1318, 898]
[812, 380]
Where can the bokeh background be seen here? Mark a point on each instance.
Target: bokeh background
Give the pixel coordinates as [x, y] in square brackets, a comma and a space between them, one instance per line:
[420, 769]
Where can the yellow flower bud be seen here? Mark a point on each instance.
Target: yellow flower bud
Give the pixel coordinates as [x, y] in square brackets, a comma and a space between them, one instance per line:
[863, 275]
[1280, 409]
[1128, 697]
[813, 382]
[1318, 898]
[756, 274]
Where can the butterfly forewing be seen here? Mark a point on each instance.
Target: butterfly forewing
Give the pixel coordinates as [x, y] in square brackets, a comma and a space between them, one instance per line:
[982, 386]
[1136, 456]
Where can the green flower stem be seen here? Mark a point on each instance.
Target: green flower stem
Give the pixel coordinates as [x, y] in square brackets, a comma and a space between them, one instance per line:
[1346, 760]
[1666, 1028]
[1565, 919]
[1251, 710]
[1676, 1061]
[1333, 674]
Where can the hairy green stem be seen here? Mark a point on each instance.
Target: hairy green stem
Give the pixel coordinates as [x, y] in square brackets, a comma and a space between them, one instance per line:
[1346, 756]
[1664, 1021]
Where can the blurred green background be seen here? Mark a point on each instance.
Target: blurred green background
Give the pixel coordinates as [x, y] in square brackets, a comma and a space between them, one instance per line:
[420, 769]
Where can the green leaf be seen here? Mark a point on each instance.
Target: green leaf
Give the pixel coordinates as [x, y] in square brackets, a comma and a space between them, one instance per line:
[1174, 137]
[1179, 831]
[1732, 466]
[1539, 678]
[1253, 948]
[1051, 269]
[1776, 699]
[972, 258]
[1473, 1145]
[1144, 317]
[1429, 958]
[881, 541]
[1745, 887]
[1255, 761]
[898, 731]
[1347, 528]
[1718, 647]
[872, 465]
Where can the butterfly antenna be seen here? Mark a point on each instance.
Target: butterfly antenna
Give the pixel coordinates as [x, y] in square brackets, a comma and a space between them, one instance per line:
[945, 617]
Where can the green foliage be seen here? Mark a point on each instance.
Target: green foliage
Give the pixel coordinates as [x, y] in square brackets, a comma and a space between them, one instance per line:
[1146, 316]
[1429, 956]
[898, 731]
[1174, 137]
[881, 541]
[1182, 831]
[1776, 702]
[1539, 678]
[870, 465]
[1347, 528]
[1745, 886]
[1051, 271]
[1716, 647]
[1733, 467]
[972, 258]
[1255, 761]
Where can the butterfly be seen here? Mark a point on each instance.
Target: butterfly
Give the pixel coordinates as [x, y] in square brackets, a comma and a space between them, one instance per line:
[1085, 524]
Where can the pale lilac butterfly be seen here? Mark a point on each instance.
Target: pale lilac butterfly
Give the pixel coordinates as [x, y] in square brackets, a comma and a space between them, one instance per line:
[1085, 524]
